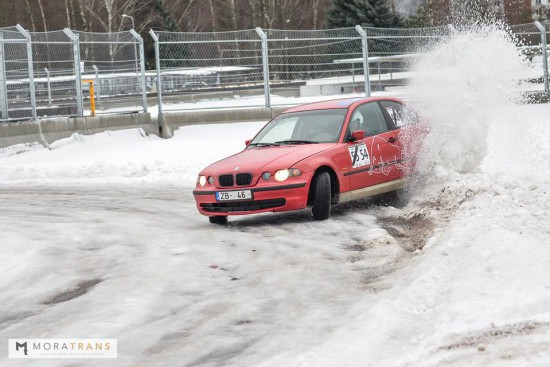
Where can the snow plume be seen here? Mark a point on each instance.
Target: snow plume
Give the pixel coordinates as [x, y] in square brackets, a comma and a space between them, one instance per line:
[459, 86]
[466, 89]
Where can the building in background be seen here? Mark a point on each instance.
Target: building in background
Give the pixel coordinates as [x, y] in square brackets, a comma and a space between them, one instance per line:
[540, 10]
[513, 11]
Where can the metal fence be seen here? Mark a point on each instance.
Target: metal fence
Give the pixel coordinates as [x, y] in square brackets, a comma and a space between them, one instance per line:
[115, 62]
[532, 41]
[48, 74]
[275, 67]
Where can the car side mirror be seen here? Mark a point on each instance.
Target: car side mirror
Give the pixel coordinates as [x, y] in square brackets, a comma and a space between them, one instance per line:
[247, 142]
[357, 135]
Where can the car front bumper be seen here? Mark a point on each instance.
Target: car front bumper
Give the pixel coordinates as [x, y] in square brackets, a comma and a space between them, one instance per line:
[265, 198]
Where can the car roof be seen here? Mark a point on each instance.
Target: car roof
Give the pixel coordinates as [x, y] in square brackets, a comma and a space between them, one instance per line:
[338, 103]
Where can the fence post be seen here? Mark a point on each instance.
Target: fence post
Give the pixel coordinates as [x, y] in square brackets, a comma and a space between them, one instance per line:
[4, 113]
[30, 68]
[139, 39]
[544, 54]
[365, 46]
[78, 77]
[141, 69]
[160, 117]
[265, 63]
[49, 87]
[97, 84]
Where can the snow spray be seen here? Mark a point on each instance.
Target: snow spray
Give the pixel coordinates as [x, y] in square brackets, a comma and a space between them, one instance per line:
[458, 86]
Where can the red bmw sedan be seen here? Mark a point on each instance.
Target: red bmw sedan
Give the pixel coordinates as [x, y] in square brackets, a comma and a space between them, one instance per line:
[314, 155]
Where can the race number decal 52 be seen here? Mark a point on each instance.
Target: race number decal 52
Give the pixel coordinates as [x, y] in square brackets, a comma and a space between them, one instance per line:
[359, 155]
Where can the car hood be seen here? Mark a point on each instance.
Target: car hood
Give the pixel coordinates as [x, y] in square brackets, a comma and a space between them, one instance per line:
[263, 159]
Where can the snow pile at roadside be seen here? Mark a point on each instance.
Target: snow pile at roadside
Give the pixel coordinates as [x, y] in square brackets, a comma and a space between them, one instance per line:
[480, 289]
[126, 156]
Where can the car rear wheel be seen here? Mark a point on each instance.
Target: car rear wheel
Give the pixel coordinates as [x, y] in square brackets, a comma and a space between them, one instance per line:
[321, 196]
[219, 219]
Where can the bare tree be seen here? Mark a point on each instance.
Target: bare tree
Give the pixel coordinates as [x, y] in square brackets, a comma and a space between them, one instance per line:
[233, 11]
[67, 7]
[108, 13]
[315, 4]
[43, 16]
[212, 14]
[29, 9]
[85, 23]
[278, 13]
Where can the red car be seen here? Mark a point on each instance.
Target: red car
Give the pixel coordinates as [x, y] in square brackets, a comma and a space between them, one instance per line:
[314, 155]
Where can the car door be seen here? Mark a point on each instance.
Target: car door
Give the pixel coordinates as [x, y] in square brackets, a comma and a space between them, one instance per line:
[372, 159]
[404, 124]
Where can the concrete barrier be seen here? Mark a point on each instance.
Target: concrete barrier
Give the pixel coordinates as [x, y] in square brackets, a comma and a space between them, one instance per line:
[119, 122]
[173, 120]
[46, 131]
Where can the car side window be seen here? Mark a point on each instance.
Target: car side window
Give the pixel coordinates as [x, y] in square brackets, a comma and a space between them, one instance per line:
[394, 111]
[399, 115]
[369, 118]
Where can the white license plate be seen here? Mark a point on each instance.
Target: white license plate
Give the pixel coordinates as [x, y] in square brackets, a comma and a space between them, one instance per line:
[233, 195]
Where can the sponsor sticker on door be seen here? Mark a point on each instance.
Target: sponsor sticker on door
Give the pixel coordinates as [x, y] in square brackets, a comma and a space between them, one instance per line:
[359, 155]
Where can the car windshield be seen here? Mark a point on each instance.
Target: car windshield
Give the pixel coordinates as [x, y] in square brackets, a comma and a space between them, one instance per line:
[308, 127]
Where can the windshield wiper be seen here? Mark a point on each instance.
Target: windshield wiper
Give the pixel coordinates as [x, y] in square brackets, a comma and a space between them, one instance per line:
[295, 142]
[262, 144]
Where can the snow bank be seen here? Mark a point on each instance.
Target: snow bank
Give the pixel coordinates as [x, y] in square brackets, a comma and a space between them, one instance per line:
[126, 157]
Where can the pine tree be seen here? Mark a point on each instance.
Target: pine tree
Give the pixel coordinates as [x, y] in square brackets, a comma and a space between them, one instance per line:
[166, 19]
[368, 13]
[424, 17]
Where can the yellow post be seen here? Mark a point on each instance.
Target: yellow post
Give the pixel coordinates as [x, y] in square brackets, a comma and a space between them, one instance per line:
[92, 94]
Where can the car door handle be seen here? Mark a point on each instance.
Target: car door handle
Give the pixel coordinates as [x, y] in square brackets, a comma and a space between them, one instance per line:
[392, 140]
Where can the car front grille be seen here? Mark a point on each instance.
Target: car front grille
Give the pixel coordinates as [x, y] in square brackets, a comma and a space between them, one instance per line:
[243, 206]
[226, 180]
[243, 179]
[240, 179]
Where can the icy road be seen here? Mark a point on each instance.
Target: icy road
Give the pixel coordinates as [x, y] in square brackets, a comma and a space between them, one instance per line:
[100, 238]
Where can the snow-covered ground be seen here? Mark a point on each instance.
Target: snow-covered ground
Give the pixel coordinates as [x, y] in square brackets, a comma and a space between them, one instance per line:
[100, 238]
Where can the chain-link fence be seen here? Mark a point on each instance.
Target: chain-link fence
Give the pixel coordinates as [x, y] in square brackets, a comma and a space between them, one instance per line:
[55, 85]
[115, 63]
[312, 63]
[531, 39]
[391, 51]
[50, 74]
[275, 67]
[219, 68]
[15, 80]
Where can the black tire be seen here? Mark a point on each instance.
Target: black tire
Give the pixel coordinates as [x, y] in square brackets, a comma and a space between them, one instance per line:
[219, 219]
[321, 196]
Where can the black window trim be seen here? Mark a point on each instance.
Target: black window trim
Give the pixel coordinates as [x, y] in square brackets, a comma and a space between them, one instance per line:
[389, 121]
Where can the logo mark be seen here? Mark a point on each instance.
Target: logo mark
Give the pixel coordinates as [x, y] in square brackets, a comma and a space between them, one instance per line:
[21, 345]
[237, 168]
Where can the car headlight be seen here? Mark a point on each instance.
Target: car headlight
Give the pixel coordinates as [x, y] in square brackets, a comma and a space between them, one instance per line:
[283, 174]
[202, 180]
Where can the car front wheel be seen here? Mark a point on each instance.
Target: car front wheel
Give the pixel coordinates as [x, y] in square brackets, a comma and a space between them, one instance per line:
[321, 196]
[219, 219]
